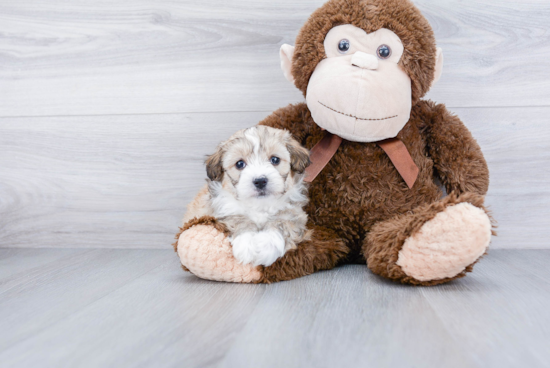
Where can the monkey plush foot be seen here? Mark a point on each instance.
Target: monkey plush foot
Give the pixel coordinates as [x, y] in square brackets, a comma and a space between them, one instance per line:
[444, 246]
[433, 244]
[205, 251]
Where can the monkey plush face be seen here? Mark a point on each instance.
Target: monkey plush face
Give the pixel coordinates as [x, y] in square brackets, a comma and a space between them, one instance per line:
[359, 91]
[361, 79]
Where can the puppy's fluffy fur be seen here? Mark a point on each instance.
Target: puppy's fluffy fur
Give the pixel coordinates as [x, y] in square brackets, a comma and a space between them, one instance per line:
[260, 203]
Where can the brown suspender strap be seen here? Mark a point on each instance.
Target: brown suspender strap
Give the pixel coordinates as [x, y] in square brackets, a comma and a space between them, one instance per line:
[321, 154]
[323, 151]
[401, 159]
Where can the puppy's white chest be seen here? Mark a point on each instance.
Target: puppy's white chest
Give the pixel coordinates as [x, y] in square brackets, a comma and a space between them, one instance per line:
[259, 218]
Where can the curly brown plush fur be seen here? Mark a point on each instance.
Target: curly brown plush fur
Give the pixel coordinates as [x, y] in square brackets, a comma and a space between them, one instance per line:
[322, 252]
[386, 238]
[360, 187]
[399, 16]
[360, 208]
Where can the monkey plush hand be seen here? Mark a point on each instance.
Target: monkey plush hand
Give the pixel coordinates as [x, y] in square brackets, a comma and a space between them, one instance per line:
[363, 67]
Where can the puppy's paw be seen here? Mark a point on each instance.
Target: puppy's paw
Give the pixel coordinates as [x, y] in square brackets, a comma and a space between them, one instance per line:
[269, 246]
[243, 249]
[261, 248]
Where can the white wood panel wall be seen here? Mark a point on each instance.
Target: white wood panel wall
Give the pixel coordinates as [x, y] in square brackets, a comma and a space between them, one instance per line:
[107, 108]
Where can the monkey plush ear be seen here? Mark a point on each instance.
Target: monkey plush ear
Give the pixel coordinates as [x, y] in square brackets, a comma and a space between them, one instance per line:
[299, 156]
[438, 65]
[214, 165]
[286, 53]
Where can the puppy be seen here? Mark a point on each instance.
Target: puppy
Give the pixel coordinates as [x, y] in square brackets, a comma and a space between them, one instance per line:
[255, 187]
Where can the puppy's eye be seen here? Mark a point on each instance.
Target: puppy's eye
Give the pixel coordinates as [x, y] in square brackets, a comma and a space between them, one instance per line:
[275, 160]
[343, 46]
[383, 52]
[240, 165]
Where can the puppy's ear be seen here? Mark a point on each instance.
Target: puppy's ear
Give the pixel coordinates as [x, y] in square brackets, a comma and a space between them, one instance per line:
[299, 156]
[214, 166]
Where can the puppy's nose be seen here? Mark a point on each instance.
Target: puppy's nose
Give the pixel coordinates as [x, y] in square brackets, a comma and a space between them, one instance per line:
[260, 183]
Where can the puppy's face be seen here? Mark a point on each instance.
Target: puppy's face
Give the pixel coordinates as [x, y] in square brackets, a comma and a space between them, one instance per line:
[258, 162]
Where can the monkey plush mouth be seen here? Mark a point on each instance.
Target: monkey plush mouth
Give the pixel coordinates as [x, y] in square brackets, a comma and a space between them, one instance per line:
[352, 116]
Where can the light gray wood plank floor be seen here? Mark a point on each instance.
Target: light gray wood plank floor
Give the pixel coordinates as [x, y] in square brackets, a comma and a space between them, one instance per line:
[137, 308]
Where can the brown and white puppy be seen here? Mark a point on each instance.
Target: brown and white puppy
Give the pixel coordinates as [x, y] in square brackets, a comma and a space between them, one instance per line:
[255, 187]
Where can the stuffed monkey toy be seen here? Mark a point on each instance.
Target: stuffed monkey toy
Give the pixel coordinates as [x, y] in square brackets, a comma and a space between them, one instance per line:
[376, 147]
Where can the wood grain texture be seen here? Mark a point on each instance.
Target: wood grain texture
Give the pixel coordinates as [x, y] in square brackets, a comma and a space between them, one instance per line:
[358, 319]
[493, 321]
[145, 56]
[515, 142]
[117, 181]
[14, 261]
[108, 110]
[38, 294]
[152, 317]
[124, 181]
[155, 315]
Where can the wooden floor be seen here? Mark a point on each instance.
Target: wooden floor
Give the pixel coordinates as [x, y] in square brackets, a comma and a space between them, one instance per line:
[137, 308]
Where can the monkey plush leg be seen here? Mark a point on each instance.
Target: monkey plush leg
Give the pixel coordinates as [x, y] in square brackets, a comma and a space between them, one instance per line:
[434, 244]
[204, 250]
[321, 252]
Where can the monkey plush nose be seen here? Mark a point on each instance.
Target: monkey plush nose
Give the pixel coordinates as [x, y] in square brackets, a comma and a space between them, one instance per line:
[260, 183]
[364, 60]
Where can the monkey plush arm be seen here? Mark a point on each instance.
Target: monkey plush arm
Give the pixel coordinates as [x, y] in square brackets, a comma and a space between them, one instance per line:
[294, 118]
[456, 154]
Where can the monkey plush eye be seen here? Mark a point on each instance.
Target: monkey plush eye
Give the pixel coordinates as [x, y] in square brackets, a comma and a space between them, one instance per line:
[343, 46]
[275, 160]
[383, 52]
[240, 165]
